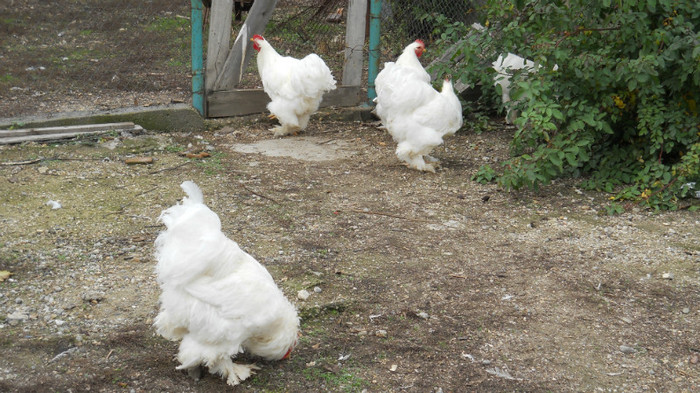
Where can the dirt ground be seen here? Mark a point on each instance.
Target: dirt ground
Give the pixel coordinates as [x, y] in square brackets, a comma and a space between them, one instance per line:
[419, 282]
[426, 282]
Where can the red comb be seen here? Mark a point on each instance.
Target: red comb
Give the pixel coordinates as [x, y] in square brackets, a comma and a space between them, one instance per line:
[420, 42]
[258, 37]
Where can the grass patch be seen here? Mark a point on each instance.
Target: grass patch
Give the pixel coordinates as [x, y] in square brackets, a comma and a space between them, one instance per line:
[168, 24]
[344, 379]
[8, 78]
[213, 164]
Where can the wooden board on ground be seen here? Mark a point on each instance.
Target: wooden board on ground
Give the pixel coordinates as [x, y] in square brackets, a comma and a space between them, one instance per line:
[63, 132]
[240, 102]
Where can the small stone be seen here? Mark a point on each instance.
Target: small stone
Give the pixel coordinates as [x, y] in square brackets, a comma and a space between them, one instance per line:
[627, 350]
[694, 359]
[667, 276]
[423, 315]
[18, 316]
[686, 310]
[93, 296]
[317, 289]
[393, 367]
[303, 294]
[381, 333]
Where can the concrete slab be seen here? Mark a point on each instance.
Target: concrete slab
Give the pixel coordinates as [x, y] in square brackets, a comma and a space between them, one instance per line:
[165, 118]
[300, 148]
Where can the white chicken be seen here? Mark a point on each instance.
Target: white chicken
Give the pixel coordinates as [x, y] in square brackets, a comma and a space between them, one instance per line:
[218, 300]
[295, 86]
[416, 116]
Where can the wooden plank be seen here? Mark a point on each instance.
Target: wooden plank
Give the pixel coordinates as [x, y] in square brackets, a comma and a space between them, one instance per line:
[219, 40]
[240, 102]
[60, 129]
[57, 133]
[354, 42]
[242, 50]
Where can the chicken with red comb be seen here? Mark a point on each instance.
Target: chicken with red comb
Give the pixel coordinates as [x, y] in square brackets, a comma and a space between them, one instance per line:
[295, 86]
[415, 114]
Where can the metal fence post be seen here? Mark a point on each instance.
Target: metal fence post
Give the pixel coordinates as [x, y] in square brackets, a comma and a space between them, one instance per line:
[373, 66]
[197, 58]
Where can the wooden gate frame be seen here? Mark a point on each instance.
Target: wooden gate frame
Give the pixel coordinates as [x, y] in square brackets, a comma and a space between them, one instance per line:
[225, 66]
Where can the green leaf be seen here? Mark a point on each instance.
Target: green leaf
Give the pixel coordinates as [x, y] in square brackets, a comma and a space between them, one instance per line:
[554, 159]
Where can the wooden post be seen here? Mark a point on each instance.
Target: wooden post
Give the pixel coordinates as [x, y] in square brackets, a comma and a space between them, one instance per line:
[354, 43]
[242, 50]
[197, 61]
[219, 39]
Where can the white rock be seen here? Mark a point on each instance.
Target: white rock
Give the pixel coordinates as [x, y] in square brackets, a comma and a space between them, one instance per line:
[303, 294]
[18, 316]
[54, 204]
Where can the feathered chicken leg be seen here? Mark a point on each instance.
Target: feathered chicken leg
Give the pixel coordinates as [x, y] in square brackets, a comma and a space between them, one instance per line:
[233, 372]
[414, 160]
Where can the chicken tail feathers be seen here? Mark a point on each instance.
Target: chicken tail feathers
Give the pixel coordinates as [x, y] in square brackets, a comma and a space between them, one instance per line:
[191, 240]
[193, 192]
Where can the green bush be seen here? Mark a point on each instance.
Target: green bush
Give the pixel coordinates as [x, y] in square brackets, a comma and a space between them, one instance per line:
[620, 111]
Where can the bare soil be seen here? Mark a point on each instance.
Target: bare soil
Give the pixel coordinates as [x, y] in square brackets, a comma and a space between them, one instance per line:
[419, 282]
[427, 281]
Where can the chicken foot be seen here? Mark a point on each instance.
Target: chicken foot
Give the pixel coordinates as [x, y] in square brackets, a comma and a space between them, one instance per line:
[233, 372]
[285, 130]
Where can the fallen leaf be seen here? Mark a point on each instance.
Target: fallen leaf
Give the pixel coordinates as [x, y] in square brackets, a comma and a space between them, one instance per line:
[198, 155]
[4, 275]
[139, 160]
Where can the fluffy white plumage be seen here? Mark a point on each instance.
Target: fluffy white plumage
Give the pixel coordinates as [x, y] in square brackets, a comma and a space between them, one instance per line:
[218, 300]
[416, 116]
[295, 86]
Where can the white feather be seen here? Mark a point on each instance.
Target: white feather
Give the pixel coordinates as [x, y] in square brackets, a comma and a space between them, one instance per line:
[218, 300]
[415, 114]
[295, 86]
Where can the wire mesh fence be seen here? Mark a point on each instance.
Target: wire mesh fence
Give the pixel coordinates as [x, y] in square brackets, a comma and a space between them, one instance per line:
[300, 27]
[404, 21]
[71, 55]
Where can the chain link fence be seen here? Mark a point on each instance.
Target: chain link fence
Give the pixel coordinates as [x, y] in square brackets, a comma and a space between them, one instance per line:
[71, 55]
[402, 22]
[300, 27]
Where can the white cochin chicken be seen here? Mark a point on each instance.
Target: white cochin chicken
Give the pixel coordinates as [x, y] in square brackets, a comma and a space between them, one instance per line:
[504, 67]
[216, 299]
[415, 114]
[295, 86]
